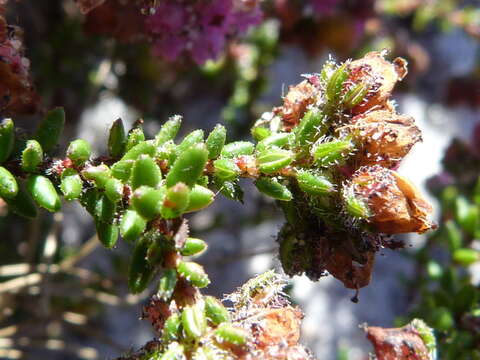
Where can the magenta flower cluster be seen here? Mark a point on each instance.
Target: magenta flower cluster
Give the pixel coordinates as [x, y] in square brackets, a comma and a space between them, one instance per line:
[199, 28]
[324, 7]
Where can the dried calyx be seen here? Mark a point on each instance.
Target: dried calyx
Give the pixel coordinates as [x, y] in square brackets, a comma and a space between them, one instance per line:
[346, 197]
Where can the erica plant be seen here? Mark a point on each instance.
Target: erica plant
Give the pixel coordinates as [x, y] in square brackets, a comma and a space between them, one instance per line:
[327, 155]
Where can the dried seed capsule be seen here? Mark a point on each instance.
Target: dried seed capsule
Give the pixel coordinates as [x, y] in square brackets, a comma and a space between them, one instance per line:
[215, 311]
[167, 284]
[335, 83]
[310, 128]
[216, 141]
[237, 148]
[114, 189]
[271, 187]
[189, 166]
[99, 174]
[175, 351]
[71, 184]
[105, 209]
[396, 206]
[22, 204]
[259, 133]
[276, 140]
[135, 137]
[148, 202]
[169, 130]
[107, 233]
[193, 246]
[194, 321]
[176, 201]
[146, 172]
[466, 257]
[140, 271]
[189, 141]
[384, 136]
[274, 159]
[43, 192]
[194, 273]
[172, 327]
[226, 169]
[117, 139]
[32, 156]
[121, 169]
[132, 225]
[374, 69]
[50, 129]
[331, 152]
[200, 197]
[314, 184]
[144, 147]
[231, 334]
[7, 139]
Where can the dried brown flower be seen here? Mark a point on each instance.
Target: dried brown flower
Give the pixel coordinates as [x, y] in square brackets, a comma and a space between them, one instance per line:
[295, 103]
[405, 343]
[395, 203]
[385, 137]
[380, 74]
[354, 275]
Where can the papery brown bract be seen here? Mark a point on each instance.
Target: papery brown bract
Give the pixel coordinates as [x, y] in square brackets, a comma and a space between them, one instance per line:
[351, 273]
[380, 74]
[403, 343]
[385, 137]
[395, 204]
[295, 103]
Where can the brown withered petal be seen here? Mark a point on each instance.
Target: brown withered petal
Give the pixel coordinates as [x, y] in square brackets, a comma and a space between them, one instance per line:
[397, 343]
[381, 74]
[396, 205]
[295, 103]
[277, 334]
[341, 265]
[385, 137]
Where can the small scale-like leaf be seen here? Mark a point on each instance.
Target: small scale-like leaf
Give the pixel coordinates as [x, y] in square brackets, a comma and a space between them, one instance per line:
[271, 187]
[79, 151]
[216, 141]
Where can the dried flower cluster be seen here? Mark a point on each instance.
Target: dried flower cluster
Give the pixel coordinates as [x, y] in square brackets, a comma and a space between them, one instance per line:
[351, 140]
[260, 325]
[414, 341]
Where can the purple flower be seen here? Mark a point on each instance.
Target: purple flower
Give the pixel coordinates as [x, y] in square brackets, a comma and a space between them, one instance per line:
[199, 29]
[324, 7]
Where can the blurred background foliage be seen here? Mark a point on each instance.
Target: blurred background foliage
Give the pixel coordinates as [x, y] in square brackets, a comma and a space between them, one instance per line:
[63, 298]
